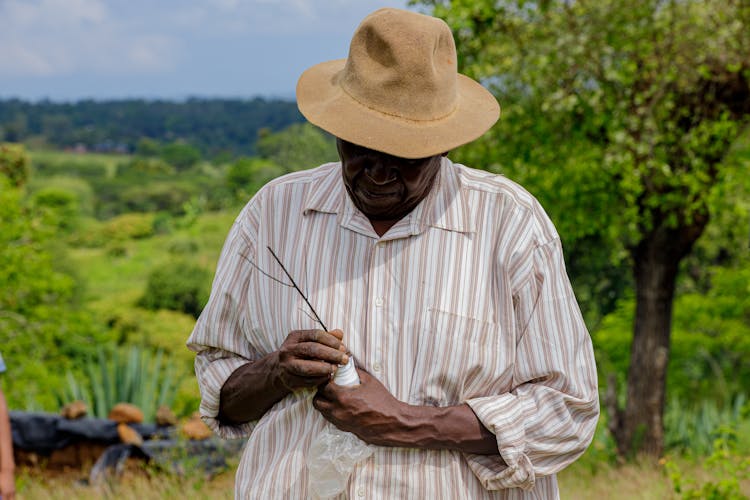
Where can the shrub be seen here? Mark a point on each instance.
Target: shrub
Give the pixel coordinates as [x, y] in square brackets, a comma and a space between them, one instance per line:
[245, 176]
[129, 226]
[180, 154]
[727, 468]
[183, 246]
[156, 196]
[60, 207]
[14, 163]
[163, 223]
[80, 188]
[178, 286]
[82, 167]
[693, 430]
[150, 166]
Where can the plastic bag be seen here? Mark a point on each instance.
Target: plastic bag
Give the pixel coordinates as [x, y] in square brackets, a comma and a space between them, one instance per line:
[334, 453]
[332, 457]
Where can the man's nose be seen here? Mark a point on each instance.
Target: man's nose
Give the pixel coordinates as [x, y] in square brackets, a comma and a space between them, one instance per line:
[380, 172]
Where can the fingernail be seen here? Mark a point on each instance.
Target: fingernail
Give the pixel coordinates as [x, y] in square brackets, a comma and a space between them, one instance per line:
[342, 347]
[344, 359]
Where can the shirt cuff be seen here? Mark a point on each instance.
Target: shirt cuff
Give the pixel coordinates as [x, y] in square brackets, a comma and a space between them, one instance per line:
[505, 416]
[212, 375]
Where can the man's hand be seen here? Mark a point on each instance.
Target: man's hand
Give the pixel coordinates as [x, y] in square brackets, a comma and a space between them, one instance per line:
[7, 485]
[307, 358]
[376, 417]
[368, 410]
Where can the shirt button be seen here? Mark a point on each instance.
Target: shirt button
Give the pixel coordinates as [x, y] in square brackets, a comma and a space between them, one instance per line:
[361, 492]
[379, 302]
[376, 367]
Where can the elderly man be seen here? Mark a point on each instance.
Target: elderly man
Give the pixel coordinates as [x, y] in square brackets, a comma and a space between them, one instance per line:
[446, 284]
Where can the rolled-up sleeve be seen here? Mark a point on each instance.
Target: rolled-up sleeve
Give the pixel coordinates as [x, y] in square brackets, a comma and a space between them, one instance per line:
[548, 418]
[219, 337]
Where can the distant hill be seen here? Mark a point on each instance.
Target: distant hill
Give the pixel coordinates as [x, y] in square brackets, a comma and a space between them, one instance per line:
[215, 126]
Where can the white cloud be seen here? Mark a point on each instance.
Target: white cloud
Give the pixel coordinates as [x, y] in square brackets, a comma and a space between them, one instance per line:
[59, 37]
[71, 48]
[17, 59]
[277, 17]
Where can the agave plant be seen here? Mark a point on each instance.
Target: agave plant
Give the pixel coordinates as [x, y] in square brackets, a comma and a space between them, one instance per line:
[134, 375]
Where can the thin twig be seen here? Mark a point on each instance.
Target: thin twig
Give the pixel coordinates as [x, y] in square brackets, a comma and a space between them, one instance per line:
[261, 271]
[297, 288]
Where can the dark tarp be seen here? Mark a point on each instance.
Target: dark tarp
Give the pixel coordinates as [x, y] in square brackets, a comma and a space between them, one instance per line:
[42, 433]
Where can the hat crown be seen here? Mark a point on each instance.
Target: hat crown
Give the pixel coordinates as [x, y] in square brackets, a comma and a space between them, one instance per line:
[402, 64]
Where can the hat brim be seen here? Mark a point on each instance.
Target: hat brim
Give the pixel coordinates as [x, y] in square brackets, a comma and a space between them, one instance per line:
[324, 103]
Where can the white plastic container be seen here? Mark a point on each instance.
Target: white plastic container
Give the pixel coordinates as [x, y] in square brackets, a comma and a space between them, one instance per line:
[334, 453]
[346, 375]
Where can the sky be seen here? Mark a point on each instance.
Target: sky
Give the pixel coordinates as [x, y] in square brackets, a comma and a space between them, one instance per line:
[67, 50]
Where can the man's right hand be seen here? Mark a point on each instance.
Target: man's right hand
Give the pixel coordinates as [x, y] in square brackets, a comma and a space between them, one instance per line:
[308, 358]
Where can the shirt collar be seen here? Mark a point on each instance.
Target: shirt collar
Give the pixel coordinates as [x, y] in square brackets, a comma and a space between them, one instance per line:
[445, 207]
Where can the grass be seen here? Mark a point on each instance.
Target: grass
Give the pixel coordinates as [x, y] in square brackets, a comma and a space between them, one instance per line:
[139, 482]
[637, 481]
[641, 481]
[64, 159]
[115, 282]
[117, 279]
[123, 275]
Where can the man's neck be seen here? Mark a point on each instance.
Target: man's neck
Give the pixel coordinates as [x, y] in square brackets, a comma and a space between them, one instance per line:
[382, 226]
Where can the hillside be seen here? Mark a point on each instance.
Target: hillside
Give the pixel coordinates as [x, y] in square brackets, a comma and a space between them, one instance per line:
[214, 126]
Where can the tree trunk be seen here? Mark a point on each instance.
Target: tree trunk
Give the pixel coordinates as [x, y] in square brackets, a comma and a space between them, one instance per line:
[640, 427]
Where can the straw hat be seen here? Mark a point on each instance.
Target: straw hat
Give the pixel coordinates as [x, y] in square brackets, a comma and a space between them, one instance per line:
[399, 91]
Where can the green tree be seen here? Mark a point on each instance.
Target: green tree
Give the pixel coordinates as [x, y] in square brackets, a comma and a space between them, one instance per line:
[179, 286]
[147, 147]
[14, 163]
[42, 328]
[180, 154]
[629, 108]
[246, 175]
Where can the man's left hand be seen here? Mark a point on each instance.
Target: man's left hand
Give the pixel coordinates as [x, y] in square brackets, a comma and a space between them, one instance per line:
[369, 410]
[376, 417]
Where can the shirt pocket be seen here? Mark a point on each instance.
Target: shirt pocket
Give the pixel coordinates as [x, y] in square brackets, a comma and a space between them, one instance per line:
[459, 358]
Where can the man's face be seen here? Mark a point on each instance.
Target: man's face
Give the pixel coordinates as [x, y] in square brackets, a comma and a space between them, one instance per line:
[385, 187]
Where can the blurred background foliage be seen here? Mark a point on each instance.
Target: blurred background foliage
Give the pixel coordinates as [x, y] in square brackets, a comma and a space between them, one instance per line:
[104, 253]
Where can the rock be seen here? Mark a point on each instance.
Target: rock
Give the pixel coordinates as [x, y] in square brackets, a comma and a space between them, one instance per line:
[165, 416]
[126, 413]
[196, 429]
[128, 435]
[74, 410]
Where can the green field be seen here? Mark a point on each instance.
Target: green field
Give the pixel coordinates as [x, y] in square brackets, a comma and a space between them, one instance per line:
[113, 257]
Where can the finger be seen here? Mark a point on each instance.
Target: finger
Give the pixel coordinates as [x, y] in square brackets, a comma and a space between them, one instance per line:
[339, 334]
[324, 391]
[309, 368]
[322, 405]
[314, 351]
[321, 337]
[319, 400]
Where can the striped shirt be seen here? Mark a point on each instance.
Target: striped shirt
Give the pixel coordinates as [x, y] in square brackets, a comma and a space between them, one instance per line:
[465, 300]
